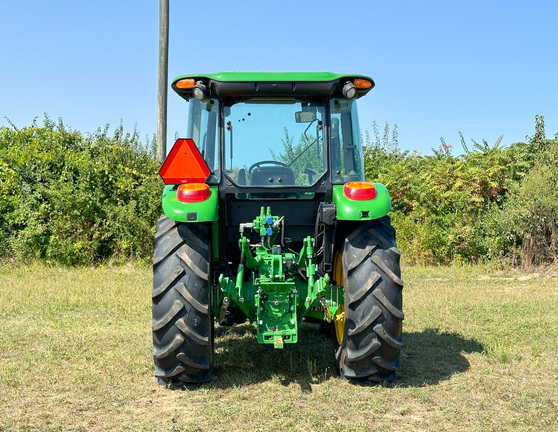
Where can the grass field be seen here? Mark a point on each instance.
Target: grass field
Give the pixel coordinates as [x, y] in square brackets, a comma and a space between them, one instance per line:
[480, 354]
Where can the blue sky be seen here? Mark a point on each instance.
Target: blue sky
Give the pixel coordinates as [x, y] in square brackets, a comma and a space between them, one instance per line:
[484, 68]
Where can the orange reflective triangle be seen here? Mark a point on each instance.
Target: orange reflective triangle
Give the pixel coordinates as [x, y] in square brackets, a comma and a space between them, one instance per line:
[184, 164]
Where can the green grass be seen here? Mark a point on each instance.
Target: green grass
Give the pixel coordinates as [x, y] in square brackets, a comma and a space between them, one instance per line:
[480, 353]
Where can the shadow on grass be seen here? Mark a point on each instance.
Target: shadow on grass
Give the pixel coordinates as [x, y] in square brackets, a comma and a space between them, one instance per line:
[240, 360]
[431, 356]
[428, 357]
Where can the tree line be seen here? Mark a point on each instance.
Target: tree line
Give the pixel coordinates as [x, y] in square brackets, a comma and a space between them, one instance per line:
[74, 198]
[490, 203]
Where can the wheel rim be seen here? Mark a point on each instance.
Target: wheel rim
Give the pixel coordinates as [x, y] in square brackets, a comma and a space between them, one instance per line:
[339, 319]
[340, 323]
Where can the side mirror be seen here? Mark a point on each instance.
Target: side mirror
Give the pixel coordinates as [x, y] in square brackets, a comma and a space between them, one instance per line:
[305, 116]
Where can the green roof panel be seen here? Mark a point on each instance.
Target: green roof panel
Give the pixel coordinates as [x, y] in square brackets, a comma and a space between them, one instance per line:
[270, 84]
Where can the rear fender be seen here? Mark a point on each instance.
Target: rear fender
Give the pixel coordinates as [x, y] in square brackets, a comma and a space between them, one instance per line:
[205, 211]
[352, 210]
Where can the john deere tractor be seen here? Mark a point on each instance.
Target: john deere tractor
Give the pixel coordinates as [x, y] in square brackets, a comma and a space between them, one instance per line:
[268, 219]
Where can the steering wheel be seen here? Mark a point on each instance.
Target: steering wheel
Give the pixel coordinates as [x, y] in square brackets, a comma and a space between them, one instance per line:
[257, 164]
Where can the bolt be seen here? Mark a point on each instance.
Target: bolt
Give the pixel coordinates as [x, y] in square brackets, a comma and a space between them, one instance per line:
[292, 322]
[292, 308]
[276, 302]
[261, 308]
[261, 322]
[308, 299]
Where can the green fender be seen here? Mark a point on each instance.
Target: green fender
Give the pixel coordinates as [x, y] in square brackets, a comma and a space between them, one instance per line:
[351, 210]
[205, 211]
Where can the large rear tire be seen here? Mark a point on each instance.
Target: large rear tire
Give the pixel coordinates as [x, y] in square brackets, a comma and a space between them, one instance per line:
[182, 322]
[369, 335]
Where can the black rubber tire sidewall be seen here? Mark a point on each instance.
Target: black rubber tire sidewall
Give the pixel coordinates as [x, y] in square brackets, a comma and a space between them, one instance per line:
[182, 322]
[373, 303]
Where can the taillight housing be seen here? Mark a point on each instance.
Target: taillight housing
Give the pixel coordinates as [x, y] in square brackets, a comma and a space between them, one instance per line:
[360, 191]
[192, 192]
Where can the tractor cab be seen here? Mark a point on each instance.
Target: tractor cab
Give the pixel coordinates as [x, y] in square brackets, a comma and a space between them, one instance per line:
[271, 139]
[288, 138]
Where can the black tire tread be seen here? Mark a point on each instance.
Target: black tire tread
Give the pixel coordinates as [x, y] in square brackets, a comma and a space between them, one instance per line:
[162, 352]
[374, 277]
[158, 324]
[168, 282]
[364, 351]
[164, 224]
[191, 333]
[187, 255]
[373, 306]
[374, 314]
[201, 308]
[182, 330]
[395, 311]
[170, 246]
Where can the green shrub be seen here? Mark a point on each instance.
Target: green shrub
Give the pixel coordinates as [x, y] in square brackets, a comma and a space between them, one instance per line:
[76, 199]
[526, 227]
[71, 198]
[490, 203]
[439, 200]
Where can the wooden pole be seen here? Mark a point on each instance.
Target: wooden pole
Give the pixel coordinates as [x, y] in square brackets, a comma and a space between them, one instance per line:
[163, 80]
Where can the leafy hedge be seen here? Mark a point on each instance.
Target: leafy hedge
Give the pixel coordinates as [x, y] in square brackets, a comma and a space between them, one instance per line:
[491, 202]
[76, 199]
[72, 198]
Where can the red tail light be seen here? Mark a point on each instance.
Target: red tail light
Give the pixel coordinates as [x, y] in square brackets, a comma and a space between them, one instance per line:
[192, 192]
[360, 191]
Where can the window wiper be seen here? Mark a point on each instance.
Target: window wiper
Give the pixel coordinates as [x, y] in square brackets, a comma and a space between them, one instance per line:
[307, 139]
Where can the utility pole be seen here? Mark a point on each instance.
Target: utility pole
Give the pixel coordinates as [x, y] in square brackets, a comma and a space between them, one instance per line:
[163, 80]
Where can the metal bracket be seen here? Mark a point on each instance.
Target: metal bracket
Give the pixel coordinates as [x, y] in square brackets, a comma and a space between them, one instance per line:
[224, 310]
[327, 314]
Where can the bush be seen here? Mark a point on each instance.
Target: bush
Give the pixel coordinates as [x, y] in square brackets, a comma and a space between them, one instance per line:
[526, 227]
[76, 199]
[71, 198]
[439, 201]
[490, 203]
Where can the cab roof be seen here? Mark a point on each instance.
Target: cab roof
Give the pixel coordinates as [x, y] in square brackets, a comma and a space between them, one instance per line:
[272, 84]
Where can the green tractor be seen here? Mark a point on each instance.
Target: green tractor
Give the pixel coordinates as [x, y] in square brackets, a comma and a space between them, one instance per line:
[268, 219]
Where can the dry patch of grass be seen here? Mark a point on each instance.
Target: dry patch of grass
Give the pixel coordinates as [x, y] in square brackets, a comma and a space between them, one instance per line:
[481, 353]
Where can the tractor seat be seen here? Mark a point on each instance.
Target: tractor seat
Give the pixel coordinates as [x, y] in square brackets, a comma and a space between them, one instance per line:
[272, 176]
